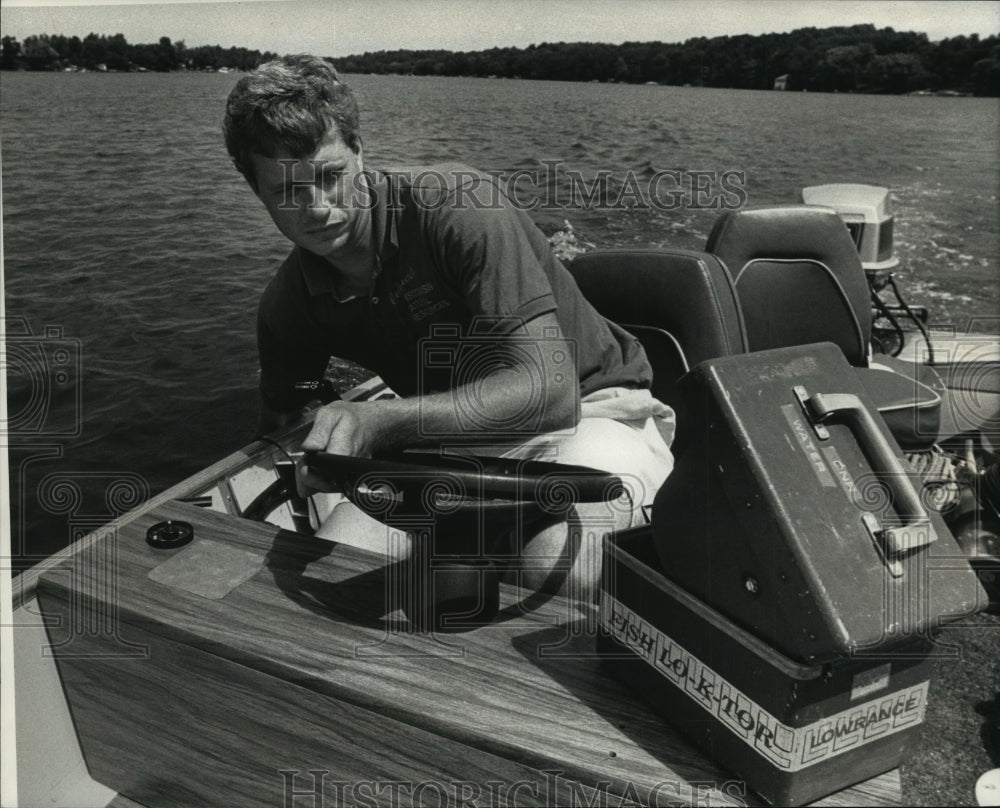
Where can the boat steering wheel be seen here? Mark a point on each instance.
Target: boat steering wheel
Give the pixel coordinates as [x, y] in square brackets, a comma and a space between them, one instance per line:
[416, 482]
[455, 508]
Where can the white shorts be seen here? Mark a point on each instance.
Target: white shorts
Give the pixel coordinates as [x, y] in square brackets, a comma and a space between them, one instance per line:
[621, 431]
[617, 433]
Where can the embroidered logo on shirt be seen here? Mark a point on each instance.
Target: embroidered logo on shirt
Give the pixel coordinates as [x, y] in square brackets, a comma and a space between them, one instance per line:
[422, 300]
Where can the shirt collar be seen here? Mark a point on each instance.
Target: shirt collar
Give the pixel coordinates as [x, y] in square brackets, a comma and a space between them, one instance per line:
[316, 270]
[384, 230]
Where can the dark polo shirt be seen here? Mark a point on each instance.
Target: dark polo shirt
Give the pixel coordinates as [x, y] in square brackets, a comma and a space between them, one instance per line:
[456, 262]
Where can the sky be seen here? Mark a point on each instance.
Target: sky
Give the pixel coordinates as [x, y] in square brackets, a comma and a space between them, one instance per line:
[344, 27]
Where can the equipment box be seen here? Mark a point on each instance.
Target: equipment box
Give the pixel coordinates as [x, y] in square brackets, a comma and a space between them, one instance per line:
[793, 512]
[808, 574]
[794, 732]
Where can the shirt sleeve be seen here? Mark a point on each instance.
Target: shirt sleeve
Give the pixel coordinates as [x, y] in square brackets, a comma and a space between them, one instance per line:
[493, 254]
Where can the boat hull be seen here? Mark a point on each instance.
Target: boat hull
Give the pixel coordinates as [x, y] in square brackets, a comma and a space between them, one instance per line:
[181, 693]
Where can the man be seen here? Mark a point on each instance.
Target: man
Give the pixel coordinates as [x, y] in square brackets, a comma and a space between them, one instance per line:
[436, 282]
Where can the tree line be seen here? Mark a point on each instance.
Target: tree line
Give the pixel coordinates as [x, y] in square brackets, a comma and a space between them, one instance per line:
[858, 58]
[103, 52]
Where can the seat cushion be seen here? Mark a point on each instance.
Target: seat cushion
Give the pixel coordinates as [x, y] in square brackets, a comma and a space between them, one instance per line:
[798, 276]
[907, 400]
[685, 293]
[680, 304]
[797, 302]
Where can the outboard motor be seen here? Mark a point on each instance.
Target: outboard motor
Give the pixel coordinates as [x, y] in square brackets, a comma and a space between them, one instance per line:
[867, 212]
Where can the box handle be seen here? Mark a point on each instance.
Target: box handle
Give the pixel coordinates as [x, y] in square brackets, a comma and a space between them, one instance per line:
[916, 530]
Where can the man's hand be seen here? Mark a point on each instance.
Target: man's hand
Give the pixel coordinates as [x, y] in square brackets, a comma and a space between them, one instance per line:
[342, 427]
[360, 429]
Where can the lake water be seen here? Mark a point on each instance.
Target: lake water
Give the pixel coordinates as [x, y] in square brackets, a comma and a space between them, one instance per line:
[134, 253]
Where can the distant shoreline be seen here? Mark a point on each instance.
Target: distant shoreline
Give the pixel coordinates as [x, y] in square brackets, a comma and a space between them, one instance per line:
[235, 71]
[853, 59]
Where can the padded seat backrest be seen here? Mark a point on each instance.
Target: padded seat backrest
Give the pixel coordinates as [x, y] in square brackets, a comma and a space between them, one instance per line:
[798, 276]
[680, 304]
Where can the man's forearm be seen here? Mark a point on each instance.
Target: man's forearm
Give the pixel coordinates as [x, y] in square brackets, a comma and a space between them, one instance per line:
[503, 405]
[515, 399]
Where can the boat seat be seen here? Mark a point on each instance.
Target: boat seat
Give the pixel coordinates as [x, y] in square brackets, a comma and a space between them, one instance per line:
[680, 304]
[799, 279]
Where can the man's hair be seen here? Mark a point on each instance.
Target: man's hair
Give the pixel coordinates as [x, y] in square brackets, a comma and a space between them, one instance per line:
[289, 103]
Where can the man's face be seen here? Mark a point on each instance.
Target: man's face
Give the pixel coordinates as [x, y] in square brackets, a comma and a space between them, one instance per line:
[319, 202]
